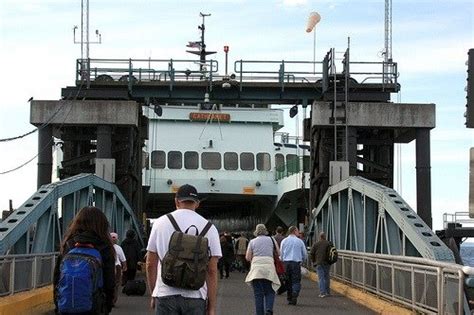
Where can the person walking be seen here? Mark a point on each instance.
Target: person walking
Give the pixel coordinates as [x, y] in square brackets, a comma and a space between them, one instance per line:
[227, 256]
[241, 245]
[120, 264]
[132, 251]
[319, 257]
[262, 275]
[279, 235]
[89, 229]
[293, 253]
[176, 300]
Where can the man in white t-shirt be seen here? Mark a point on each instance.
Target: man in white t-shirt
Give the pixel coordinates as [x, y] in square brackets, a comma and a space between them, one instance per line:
[177, 301]
[120, 264]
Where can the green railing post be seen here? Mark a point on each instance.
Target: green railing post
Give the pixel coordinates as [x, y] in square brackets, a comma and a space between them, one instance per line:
[240, 75]
[130, 74]
[171, 72]
[281, 75]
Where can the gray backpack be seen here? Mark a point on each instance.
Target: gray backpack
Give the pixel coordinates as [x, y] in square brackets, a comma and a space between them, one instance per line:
[185, 264]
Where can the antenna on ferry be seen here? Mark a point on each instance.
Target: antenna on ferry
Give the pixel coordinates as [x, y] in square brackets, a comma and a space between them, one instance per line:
[388, 42]
[85, 38]
[200, 44]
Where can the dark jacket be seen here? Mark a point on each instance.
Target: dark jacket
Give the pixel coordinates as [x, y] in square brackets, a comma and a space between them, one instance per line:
[227, 252]
[319, 252]
[132, 251]
[108, 264]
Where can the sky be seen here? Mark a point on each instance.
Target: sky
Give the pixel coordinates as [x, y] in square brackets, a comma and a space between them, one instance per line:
[430, 43]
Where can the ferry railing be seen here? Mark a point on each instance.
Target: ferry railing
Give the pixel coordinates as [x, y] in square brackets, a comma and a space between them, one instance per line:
[144, 70]
[297, 71]
[277, 71]
[293, 166]
[25, 272]
[457, 217]
[421, 284]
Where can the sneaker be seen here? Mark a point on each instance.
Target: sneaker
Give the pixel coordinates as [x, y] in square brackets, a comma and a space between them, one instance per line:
[293, 301]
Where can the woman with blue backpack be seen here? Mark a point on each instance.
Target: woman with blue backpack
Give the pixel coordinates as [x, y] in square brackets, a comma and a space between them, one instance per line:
[84, 276]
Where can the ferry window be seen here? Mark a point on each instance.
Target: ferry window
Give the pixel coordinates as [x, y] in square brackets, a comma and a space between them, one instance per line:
[247, 162]
[175, 160]
[279, 161]
[292, 163]
[191, 160]
[231, 161]
[158, 159]
[263, 162]
[211, 160]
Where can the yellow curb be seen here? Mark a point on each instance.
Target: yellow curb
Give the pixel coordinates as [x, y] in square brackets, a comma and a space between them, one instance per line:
[365, 299]
[28, 303]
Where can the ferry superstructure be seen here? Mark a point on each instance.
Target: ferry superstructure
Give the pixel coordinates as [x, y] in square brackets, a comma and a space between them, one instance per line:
[247, 172]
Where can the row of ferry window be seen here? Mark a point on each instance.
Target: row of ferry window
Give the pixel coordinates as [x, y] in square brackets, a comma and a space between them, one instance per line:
[213, 160]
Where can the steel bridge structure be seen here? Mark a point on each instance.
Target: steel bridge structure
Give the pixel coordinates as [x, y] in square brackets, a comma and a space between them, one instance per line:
[38, 225]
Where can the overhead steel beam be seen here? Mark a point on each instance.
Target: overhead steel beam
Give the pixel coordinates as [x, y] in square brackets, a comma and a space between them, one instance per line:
[360, 215]
[37, 225]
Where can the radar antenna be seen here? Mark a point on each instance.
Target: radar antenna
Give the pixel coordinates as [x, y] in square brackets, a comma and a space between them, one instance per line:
[201, 45]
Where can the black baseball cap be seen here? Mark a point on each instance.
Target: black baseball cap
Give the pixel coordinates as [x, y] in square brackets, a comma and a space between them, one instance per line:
[187, 193]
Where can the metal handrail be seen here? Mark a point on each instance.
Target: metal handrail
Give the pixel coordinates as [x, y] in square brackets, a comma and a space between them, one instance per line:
[25, 272]
[294, 166]
[93, 68]
[420, 284]
[457, 217]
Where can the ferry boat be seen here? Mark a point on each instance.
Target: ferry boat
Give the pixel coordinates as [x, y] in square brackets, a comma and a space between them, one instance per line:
[247, 171]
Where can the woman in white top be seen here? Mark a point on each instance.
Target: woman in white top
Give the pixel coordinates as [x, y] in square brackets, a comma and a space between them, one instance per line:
[262, 275]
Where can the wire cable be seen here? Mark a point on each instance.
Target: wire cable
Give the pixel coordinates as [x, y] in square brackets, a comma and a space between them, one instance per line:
[37, 128]
[19, 137]
[43, 126]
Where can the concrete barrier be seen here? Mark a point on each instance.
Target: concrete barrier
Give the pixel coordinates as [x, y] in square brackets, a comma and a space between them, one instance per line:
[36, 301]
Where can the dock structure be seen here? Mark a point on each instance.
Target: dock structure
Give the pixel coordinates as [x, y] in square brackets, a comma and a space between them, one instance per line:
[103, 124]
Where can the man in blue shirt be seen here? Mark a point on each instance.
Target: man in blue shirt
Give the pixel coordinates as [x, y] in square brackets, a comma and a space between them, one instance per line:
[293, 253]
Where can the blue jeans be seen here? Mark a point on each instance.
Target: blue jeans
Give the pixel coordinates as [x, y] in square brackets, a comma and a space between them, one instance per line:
[323, 275]
[293, 279]
[179, 305]
[264, 296]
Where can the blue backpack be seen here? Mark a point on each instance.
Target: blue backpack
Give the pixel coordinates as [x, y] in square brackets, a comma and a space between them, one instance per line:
[80, 283]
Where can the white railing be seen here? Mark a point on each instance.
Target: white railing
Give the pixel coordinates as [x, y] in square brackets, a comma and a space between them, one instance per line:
[457, 217]
[424, 285]
[25, 272]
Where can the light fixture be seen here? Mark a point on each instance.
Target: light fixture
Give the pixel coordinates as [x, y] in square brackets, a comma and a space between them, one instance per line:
[293, 111]
[158, 110]
[212, 180]
[169, 182]
[258, 184]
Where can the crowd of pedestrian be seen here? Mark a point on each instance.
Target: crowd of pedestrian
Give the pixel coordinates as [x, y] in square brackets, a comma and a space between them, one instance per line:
[185, 256]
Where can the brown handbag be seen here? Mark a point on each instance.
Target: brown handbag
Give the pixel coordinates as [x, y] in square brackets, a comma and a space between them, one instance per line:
[279, 267]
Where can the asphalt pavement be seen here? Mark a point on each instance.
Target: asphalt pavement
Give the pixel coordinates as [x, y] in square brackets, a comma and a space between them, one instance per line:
[236, 297]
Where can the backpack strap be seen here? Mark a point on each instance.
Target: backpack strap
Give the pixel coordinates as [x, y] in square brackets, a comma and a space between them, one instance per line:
[205, 229]
[173, 222]
[274, 245]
